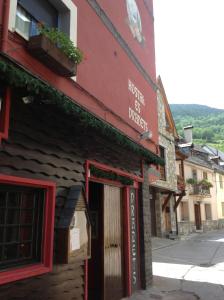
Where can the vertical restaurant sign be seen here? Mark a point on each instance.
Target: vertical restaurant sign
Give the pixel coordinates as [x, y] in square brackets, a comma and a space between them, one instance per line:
[134, 241]
[137, 106]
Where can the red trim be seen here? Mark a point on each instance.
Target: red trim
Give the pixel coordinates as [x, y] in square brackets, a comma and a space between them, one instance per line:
[47, 256]
[105, 181]
[118, 171]
[4, 114]
[127, 239]
[5, 23]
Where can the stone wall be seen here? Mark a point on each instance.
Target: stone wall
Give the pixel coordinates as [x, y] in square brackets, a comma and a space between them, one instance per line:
[166, 140]
[145, 235]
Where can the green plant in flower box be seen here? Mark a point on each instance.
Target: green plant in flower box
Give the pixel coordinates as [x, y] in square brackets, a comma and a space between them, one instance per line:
[205, 183]
[191, 181]
[62, 41]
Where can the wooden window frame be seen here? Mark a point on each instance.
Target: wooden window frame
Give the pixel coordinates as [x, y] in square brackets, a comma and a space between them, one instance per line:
[4, 114]
[45, 266]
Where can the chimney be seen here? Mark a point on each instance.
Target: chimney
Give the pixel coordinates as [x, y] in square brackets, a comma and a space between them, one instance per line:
[188, 134]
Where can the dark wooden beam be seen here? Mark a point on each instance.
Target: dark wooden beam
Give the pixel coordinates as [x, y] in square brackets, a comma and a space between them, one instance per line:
[166, 201]
[178, 200]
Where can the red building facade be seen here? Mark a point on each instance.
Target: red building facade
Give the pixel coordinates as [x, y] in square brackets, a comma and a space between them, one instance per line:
[75, 218]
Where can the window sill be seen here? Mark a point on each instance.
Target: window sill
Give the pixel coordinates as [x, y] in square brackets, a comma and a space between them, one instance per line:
[21, 34]
[23, 273]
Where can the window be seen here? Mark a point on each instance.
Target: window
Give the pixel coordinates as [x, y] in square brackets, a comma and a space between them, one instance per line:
[208, 213]
[5, 95]
[205, 175]
[162, 168]
[26, 227]
[194, 174]
[184, 211]
[25, 14]
[29, 13]
[222, 208]
[220, 182]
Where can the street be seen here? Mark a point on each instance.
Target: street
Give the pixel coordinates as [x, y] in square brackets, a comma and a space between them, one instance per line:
[188, 269]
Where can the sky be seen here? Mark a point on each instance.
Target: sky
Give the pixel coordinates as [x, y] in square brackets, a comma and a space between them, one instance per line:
[189, 44]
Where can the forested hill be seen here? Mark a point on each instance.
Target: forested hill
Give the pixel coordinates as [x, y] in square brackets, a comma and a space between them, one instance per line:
[208, 123]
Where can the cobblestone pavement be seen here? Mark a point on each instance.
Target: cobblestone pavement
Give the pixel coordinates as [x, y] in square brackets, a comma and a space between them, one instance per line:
[187, 269]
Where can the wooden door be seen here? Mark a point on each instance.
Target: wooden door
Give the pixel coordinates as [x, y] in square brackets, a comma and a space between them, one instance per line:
[197, 212]
[113, 254]
[167, 219]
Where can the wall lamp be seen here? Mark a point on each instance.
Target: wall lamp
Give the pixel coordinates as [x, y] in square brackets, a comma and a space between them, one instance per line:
[147, 135]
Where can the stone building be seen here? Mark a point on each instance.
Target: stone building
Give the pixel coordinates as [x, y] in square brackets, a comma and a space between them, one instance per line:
[163, 191]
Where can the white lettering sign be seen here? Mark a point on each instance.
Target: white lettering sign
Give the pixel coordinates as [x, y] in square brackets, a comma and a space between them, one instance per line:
[135, 112]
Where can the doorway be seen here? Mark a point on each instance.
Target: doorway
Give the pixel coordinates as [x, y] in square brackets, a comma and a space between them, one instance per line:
[197, 212]
[105, 279]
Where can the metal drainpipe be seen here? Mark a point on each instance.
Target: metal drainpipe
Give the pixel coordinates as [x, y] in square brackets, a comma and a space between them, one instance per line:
[5, 23]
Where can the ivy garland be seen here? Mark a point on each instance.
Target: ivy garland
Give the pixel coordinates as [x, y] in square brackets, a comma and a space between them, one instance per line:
[110, 175]
[19, 78]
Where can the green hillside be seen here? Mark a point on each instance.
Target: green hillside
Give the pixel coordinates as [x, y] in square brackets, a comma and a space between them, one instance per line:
[208, 123]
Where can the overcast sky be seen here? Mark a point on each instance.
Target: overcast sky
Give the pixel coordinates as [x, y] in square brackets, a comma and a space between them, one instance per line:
[189, 36]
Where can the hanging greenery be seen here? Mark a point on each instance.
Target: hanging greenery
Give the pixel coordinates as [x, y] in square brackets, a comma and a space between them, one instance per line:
[110, 175]
[16, 77]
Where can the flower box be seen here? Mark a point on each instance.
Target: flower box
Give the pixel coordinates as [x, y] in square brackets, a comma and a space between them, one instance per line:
[49, 54]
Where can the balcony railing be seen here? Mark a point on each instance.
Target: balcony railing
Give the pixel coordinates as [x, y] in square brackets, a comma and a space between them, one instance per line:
[199, 190]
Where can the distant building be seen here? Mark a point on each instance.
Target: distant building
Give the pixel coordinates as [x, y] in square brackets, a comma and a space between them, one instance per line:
[201, 207]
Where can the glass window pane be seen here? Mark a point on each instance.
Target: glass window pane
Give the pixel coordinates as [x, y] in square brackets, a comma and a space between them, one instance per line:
[2, 216]
[13, 200]
[27, 200]
[1, 234]
[22, 21]
[12, 234]
[26, 217]
[25, 233]
[25, 250]
[10, 252]
[12, 216]
[2, 199]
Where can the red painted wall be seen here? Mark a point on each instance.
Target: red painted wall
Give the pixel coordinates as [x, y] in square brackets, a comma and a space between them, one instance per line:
[106, 70]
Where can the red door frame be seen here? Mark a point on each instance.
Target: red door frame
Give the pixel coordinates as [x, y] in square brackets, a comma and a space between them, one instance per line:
[126, 191]
[4, 114]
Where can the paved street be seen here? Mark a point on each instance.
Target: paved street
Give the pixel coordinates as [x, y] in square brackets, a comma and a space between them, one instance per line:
[188, 269]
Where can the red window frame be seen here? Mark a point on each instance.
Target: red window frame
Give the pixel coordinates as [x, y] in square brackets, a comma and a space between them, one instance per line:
[18, 273]
[4, 114]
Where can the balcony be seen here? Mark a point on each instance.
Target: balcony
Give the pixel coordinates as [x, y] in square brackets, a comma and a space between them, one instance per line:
[199, 190]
